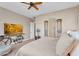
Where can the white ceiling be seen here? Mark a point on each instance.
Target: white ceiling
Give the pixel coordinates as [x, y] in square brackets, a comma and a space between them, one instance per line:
[46, 7]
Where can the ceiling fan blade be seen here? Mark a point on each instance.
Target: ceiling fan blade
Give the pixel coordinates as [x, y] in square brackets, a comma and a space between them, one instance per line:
[29, 7]
[37, 3]
[35, 7]
[25, 3]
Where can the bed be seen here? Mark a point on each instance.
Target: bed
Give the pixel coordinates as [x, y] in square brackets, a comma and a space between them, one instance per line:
[47, 46]
[75, 35]
[42, 46]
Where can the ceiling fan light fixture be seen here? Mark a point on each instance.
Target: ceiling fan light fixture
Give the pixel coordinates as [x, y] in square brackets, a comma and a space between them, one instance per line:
[32, 4]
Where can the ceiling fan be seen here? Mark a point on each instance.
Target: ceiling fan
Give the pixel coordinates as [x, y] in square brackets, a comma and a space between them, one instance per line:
[33, 4]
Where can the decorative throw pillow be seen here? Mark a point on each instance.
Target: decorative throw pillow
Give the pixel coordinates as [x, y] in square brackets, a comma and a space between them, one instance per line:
[64, 44]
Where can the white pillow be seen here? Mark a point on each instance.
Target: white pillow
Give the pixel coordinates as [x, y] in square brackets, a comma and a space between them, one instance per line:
[75, 35]
[63, 44]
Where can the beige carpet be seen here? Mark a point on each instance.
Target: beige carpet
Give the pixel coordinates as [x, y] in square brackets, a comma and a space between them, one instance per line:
[17, 46]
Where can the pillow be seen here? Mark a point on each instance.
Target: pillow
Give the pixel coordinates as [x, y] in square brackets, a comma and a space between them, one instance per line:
[74, 34]
[63, 46]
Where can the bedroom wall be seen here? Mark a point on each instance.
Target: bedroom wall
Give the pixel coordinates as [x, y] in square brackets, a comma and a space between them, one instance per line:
[7, 16]
[68, 16]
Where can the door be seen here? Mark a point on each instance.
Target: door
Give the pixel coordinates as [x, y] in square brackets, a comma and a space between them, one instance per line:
[32, 30]
[45, 28]
[59, 27]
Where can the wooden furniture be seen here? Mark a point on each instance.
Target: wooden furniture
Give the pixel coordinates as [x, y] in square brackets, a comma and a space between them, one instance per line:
[37, 37]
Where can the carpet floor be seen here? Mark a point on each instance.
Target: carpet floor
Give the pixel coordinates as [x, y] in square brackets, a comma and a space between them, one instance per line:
[17, 46]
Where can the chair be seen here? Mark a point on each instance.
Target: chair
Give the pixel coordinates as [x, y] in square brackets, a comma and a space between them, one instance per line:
[4, 48]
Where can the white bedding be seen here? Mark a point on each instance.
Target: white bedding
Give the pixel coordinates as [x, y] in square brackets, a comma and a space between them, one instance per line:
[42, 47]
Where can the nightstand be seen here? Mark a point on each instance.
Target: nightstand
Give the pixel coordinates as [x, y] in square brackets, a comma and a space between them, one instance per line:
[37, 37]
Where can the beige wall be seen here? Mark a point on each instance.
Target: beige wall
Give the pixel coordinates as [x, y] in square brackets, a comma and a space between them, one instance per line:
[11, 17]
[68, 16]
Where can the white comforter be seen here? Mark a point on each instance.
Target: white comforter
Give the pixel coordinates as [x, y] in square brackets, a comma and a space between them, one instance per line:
[42, 47]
